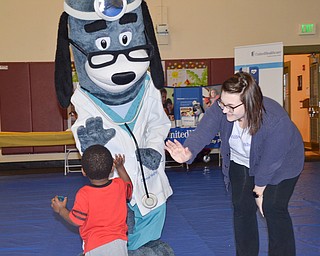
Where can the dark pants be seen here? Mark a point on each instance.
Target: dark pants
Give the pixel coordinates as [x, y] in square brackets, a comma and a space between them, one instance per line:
[275, 209]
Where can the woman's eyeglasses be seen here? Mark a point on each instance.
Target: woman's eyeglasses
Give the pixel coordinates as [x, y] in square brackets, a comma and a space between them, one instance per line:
[229, 108]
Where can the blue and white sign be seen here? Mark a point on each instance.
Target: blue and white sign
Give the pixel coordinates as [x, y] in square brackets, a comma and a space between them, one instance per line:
[181, 134]
[265, 63]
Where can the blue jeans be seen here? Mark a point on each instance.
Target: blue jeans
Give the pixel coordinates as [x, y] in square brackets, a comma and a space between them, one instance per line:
[275, 209]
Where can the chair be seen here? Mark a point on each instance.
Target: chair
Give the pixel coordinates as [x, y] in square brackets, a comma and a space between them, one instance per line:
[68, 165]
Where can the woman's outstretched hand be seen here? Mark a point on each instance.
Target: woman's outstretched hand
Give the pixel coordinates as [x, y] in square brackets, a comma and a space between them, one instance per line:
[179, 153]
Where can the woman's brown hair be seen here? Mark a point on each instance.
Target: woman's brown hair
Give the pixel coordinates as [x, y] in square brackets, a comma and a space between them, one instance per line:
[251, 97]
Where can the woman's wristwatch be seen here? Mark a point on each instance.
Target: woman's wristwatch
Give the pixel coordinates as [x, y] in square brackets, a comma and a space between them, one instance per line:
[256, 195]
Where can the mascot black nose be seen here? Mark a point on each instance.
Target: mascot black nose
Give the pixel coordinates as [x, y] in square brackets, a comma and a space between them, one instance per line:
[123, 78]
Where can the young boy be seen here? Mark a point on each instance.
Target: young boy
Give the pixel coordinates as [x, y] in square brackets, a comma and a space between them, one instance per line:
[100, 209]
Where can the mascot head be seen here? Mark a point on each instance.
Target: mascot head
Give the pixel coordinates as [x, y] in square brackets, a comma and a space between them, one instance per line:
[113, 44]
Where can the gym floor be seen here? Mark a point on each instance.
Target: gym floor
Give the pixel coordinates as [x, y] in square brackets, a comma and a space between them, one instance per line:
[199, 213]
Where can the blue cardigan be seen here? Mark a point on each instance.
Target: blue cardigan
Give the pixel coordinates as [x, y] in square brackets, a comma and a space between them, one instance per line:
[277, 149]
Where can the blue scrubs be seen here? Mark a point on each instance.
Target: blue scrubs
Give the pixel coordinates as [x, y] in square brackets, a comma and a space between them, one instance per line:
[146, 228]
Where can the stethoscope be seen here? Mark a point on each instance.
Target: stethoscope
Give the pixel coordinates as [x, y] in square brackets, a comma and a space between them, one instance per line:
[149, 200]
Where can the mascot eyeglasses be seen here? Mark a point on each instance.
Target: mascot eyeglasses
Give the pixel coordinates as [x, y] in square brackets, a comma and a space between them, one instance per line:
[102, 59]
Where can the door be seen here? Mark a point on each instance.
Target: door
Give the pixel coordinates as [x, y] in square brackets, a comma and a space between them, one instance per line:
[15, 101]
[46, 115]
[314, 101]
[28, 103]
[286, 87]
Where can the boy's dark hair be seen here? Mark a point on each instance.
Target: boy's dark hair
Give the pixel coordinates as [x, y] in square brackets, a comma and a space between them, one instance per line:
[97, 162]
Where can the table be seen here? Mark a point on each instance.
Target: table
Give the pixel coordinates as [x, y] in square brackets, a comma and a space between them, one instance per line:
[24, 139]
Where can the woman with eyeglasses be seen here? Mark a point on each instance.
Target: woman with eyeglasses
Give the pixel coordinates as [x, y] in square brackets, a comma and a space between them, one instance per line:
[263, 156]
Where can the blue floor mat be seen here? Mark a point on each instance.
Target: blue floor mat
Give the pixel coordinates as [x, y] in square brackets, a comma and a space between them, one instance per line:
[199, 214]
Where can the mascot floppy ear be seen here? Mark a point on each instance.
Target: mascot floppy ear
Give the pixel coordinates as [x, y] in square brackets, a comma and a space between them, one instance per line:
[156, 69]
[63, 71]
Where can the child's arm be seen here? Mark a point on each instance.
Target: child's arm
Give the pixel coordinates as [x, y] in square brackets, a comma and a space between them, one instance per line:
[118, 164]
[61, 208]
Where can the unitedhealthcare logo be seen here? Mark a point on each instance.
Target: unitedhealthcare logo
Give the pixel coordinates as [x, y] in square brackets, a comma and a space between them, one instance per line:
[266, 54]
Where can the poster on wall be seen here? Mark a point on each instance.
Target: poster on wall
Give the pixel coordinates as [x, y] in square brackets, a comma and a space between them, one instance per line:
[187, 78]
[265, 63]
[187, 73]
[188, 84]
[184, 101]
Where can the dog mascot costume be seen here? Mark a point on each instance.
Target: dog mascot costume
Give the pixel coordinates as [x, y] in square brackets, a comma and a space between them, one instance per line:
[118, 102]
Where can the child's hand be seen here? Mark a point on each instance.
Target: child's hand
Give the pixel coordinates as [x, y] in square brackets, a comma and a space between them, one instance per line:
[57, 205]
[118, 161]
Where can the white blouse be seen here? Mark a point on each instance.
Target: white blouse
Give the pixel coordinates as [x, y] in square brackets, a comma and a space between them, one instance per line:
[240, 144]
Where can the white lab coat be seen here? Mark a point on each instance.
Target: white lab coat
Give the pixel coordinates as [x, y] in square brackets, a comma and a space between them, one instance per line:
[151, 129]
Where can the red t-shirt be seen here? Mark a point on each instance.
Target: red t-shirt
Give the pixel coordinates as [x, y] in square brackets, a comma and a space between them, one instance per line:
[101, 212]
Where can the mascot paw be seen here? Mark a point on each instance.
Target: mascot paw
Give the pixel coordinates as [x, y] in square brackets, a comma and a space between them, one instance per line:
[94, 133]
[153, 248]
[150, 158]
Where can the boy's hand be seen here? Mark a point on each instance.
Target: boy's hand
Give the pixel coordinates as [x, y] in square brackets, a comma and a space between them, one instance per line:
[60, 207]
[118, 161]
[57, 205]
